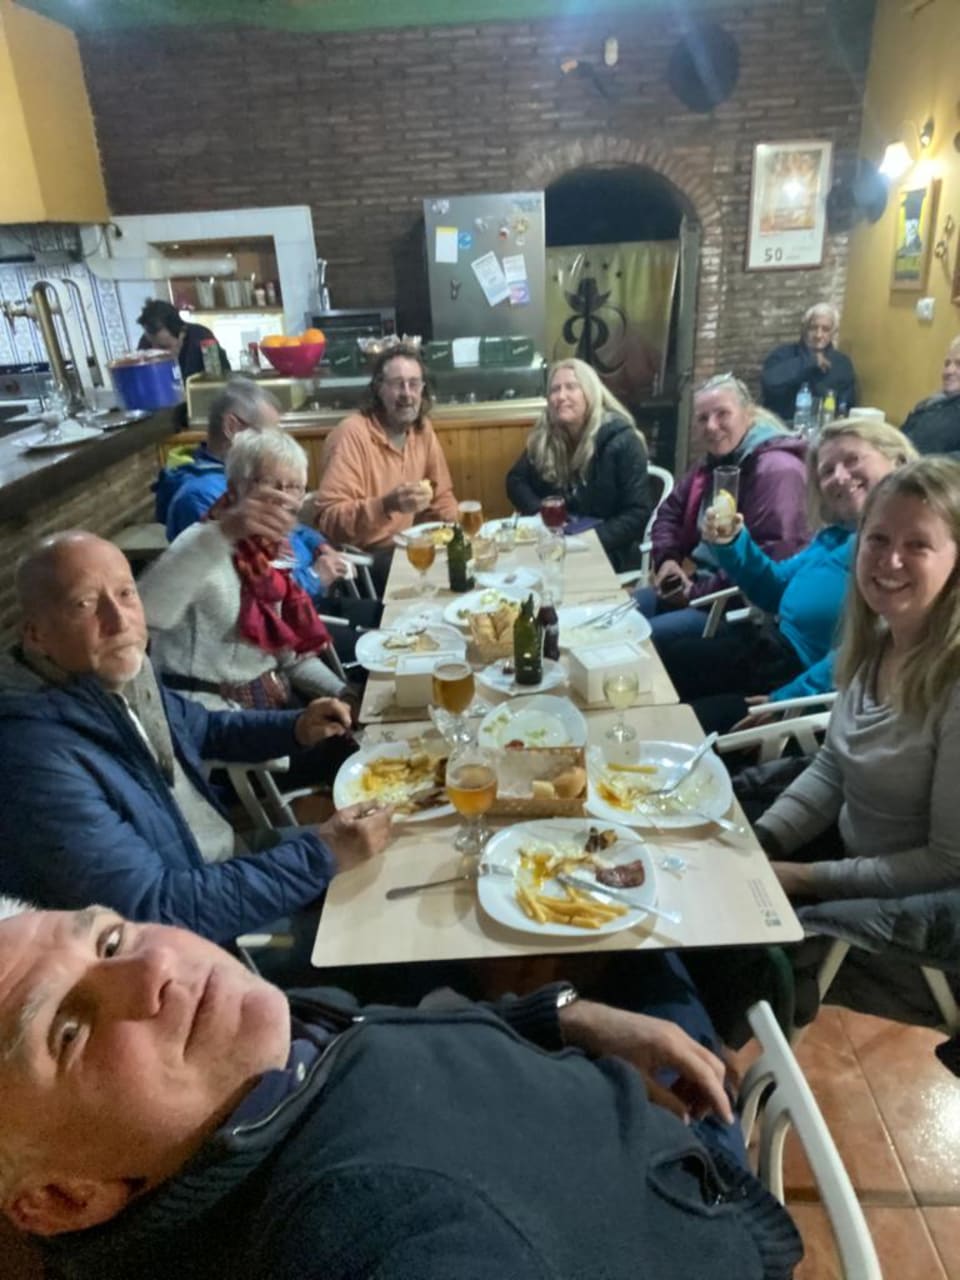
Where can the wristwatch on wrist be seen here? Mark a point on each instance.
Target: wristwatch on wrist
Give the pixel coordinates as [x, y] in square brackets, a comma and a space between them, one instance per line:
[566, 995]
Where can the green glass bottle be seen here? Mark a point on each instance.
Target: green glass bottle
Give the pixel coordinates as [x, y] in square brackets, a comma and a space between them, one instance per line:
[460, 561]
[527, 646]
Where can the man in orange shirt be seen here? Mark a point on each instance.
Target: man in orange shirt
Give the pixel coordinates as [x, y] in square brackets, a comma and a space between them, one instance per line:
[383, 467]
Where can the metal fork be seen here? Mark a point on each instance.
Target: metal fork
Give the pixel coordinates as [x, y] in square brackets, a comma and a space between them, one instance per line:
[608, 619]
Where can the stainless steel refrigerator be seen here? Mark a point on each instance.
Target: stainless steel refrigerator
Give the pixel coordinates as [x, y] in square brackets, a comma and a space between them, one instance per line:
[486, 265]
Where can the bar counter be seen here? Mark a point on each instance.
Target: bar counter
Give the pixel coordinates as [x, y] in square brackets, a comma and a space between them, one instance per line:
[101, 486]
[29, 478]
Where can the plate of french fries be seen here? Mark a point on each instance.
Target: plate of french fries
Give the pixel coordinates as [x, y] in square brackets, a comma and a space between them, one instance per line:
[623, 784]
[407, 775]
[537, 852]
[379, 651]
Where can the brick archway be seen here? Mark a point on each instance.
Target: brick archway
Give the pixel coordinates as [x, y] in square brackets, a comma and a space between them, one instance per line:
[537, 168]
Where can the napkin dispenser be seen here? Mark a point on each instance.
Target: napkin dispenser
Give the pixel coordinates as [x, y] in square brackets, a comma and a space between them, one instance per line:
[414, 677]
[590, 666]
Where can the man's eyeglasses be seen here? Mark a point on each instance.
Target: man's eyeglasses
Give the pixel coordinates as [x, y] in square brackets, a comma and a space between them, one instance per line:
[398, 384]
[298, 490]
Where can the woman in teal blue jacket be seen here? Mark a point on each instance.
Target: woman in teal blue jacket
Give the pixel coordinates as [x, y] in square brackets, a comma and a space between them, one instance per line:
[790, 652]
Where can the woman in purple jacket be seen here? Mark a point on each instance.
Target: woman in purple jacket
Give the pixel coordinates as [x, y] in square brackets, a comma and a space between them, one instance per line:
[736, 433]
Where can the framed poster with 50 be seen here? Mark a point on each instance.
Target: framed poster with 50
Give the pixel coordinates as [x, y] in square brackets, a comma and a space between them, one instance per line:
[788, 205]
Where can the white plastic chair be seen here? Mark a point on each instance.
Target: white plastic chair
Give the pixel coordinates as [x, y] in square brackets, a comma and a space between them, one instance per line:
[771, 1111]
[717, 602]
[642, 574]
[803, 720]
[936, 980]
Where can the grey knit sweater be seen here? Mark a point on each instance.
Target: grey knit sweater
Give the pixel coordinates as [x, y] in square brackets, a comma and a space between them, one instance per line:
[192, 598]
[892, 783]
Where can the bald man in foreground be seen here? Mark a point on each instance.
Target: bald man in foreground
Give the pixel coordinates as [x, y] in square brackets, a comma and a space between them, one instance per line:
[168, 1113]
[104, 793]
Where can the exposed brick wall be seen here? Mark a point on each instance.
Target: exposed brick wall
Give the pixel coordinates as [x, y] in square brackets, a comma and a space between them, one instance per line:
[119, 496]
[362, 126]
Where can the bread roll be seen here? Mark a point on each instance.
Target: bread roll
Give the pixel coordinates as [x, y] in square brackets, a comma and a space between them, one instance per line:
[543, 790]
[427, 488]
[571, 783]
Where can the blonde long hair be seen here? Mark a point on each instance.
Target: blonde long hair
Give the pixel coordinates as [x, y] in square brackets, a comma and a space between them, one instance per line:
[932, 667]
[883, 437]
[547, 443]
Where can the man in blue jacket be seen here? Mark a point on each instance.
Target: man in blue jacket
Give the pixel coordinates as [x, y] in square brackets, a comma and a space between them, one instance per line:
[185, 493]
[167, 1112]
[104, 796]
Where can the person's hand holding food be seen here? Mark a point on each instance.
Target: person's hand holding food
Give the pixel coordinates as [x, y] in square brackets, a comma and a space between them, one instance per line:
[409, 499]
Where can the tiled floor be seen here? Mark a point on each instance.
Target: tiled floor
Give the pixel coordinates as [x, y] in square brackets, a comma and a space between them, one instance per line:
[894, 1112]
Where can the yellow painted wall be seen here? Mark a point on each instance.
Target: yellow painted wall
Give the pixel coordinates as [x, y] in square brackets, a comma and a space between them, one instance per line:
[46, 125]
[913, 75]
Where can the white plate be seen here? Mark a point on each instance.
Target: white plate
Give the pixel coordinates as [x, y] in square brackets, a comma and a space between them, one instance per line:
[510, 580]
[486, 601]
[348, 784]
[529, 529]
[574, 633]
[708, 789]
[493, 678]
[373, 653]
[401, 539]
[497, 893]
[67, 439]
[537, 721]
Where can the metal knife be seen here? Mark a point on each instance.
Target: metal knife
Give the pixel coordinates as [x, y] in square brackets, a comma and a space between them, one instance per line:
[593, 886]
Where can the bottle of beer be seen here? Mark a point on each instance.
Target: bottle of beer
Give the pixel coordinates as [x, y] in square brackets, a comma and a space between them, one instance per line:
[527, 646]
[460, 561]
[549, 623]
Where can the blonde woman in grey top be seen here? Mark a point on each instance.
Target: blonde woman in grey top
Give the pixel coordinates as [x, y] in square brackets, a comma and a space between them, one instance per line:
[889, 772]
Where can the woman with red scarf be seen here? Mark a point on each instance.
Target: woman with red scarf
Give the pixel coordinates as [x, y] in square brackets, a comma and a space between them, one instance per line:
[229, 624]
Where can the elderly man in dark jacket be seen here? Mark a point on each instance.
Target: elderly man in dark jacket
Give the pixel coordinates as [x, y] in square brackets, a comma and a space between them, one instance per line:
[104, 796]
[164, 1114]
[813, 360]
[933, 425]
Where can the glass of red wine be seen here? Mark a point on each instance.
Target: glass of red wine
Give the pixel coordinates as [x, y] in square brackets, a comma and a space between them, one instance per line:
[553, 511]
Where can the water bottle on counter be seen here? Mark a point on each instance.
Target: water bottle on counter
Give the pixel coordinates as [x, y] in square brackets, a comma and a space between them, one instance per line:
[803, 410]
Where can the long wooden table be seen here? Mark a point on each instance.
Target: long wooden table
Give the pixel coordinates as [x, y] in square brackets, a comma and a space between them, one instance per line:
[727, 895]
[588, 576]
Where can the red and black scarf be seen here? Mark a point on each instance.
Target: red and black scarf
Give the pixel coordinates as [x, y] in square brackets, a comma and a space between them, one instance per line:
[275, 613]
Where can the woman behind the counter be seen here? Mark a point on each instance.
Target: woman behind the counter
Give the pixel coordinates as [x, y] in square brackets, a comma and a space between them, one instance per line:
[587, 448]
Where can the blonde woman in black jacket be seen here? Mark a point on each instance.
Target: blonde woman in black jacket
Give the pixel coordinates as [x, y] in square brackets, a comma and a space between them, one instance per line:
[587, 448]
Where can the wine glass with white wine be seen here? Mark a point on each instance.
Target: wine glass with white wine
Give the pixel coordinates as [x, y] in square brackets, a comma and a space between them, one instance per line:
[620, 689]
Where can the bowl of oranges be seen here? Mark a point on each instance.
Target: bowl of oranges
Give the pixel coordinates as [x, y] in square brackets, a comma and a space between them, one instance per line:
[295, 357]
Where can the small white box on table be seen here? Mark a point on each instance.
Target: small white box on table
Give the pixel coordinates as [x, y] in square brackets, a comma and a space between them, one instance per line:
[414, 681]
[590, 666]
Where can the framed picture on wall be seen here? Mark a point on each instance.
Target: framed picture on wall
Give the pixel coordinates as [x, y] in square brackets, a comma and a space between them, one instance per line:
[916, 220]
[788, 205]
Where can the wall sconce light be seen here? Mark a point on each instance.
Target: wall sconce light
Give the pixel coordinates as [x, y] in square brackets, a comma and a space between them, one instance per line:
[903, 152]
[896, 160]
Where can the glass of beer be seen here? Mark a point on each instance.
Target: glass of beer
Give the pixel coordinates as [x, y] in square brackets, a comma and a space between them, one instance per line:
[726, 498]
[553, 511]
[620, 689]
[471, 789]
[471, 517]
[421, 552]
[453, 690]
